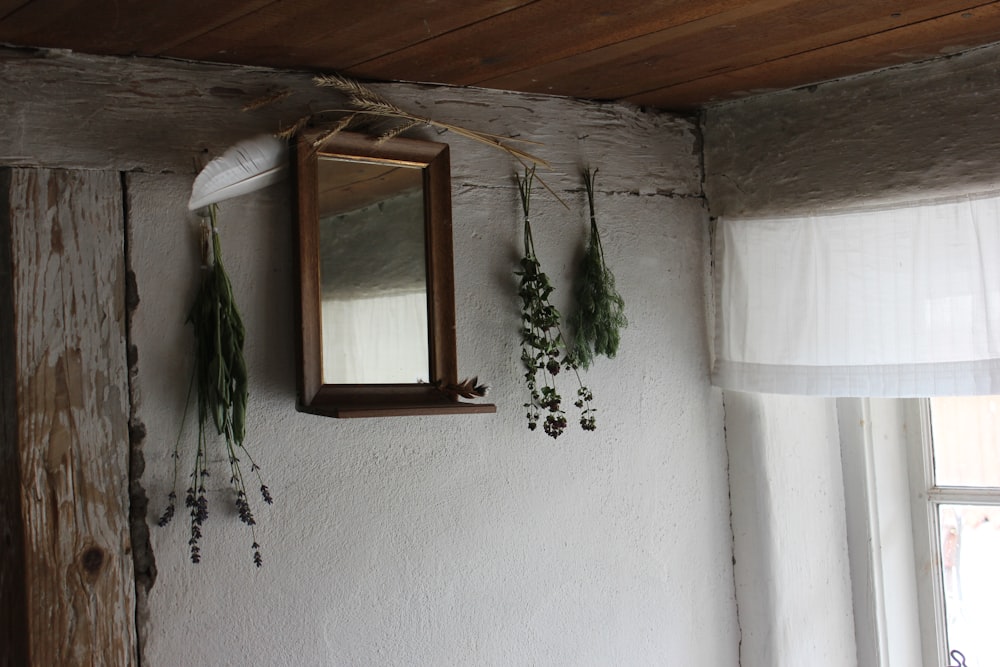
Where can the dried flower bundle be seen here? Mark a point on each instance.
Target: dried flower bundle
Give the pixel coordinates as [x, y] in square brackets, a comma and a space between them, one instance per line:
[600, 309]
[220, 376]
[543, 348]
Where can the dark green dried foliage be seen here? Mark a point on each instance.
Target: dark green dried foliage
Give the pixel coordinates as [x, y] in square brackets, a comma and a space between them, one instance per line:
[220, 377]
[543, 348]
[600, 309]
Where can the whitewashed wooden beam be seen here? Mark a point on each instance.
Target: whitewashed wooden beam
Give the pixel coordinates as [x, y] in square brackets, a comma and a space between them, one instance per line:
[898, 135]
[65, 429]
[75, 111]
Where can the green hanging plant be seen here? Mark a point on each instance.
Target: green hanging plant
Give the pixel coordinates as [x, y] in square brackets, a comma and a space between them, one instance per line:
[600, 309]
[543, 348]
[220, 376]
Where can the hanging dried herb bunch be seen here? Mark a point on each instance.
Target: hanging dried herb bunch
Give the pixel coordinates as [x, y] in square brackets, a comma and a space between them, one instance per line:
[220, 376]
[543, 348]
[600, 309]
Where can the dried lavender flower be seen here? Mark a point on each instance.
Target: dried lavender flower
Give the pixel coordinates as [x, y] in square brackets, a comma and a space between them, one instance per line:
[168, 513]
[220, 377]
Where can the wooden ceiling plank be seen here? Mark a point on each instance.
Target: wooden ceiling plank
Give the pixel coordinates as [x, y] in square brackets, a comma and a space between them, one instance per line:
[316, 35]
[636, 50]
[223, 14]
[10, 6]
[547, 31]
[933, 38]
[125, 27]
[804, 31]
[677, 55]
[739, 52]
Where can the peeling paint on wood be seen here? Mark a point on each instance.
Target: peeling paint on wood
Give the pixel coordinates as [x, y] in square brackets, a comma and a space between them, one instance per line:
[71, 435]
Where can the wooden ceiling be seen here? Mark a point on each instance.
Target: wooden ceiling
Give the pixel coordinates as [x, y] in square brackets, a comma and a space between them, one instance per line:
[670, 54]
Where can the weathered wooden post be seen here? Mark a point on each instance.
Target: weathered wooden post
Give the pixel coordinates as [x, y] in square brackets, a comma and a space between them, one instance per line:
[66, 573]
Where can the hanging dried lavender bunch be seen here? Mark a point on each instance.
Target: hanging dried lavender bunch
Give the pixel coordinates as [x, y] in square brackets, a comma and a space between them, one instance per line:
[543, 349]
[600, 309]
[220, 375]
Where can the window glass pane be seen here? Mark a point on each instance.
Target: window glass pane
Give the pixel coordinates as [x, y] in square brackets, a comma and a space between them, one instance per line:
[966, 436]
[970, 551]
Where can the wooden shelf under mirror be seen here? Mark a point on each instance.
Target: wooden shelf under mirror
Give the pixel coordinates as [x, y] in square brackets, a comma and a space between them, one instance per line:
[376, 278]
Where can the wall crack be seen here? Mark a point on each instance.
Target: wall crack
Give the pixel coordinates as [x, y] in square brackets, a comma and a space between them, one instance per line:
[144, 563]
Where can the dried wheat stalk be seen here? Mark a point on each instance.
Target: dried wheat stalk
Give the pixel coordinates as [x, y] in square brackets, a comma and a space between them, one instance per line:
[363, 101]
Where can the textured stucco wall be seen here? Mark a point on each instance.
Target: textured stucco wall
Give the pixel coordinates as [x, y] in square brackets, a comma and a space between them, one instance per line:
[433, 540]
[452, 540]
[793, 585]
[905, 133]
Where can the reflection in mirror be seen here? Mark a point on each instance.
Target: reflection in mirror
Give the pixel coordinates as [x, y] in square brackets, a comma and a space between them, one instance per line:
[373, 276]
[376, 283]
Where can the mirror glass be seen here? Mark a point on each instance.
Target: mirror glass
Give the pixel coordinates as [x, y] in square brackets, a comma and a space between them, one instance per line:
[376, 287]
[373, 272]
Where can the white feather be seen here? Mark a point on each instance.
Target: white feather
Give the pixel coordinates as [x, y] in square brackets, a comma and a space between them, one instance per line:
[250, 165]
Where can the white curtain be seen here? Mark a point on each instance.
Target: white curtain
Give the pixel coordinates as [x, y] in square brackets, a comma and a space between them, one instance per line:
[377, 339]
[900, 302]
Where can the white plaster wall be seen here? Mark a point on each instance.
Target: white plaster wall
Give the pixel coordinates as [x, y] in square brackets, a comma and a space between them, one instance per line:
[452, 540]
[433, 540]
[793, 585]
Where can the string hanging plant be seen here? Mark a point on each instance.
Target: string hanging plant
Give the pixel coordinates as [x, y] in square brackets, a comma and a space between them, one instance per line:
[220, 371]
[543, 348]
[600, 309]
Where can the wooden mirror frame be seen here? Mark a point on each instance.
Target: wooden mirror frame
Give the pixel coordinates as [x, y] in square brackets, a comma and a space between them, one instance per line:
[372, 400]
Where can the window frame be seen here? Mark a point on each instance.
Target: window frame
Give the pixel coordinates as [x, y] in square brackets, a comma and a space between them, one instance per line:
[882, 556]
[926, 528]
[926, 497]
[893, 528]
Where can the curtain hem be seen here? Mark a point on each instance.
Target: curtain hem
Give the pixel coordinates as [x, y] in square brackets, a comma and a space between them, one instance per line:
[960, 378]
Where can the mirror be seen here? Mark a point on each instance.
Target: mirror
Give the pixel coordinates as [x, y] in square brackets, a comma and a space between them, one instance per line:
[376, 287]
[372, 273]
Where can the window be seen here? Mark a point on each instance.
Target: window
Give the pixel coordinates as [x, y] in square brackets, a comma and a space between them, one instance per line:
[955, 484]
[922, 493]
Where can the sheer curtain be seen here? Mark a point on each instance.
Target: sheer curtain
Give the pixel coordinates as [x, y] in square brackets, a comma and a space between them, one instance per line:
[376, 339]
[890, 302]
